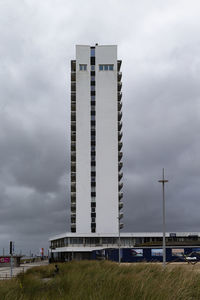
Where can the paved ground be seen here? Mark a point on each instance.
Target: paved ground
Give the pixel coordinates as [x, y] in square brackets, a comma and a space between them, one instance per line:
[5, 271]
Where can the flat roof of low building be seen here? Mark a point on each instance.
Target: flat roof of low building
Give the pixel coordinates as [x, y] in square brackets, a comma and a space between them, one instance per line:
[125, 234]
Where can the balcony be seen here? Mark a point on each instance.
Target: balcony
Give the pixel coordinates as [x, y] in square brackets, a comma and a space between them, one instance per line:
[120, 186]
[119, 96]
[119, 115]
[119, 126]
[73, 126]
[73, 116]
[119, 76]
[120, 165]
[121, 215]
[121, 204]
[119, 176]
[73, 209]
[73, 76]
[119, 62]
[73, 167]
[73, 86]
[73, 187]
[120, 144]
[73, 97]
[73, 179]
[119, 105]
[73, 195]
[120, 195]
[73, 201]
[73, 136]
[120, 155]
[73, 106]
[119, 86]
[73, 158]
[73, 66]
[119, 136]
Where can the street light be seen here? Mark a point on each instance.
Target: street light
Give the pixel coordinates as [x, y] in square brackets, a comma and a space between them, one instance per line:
[163, 181]
[119, 240]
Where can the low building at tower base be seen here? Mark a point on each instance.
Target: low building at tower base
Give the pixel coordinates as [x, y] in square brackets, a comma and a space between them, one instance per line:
[134, 247]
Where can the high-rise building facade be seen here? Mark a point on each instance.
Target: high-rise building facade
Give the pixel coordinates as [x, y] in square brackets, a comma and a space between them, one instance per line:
[96, 140]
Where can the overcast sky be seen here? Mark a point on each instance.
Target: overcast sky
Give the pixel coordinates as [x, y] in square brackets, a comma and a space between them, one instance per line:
[159, 44]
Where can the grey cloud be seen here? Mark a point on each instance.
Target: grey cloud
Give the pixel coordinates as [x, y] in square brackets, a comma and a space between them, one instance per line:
[159, 45]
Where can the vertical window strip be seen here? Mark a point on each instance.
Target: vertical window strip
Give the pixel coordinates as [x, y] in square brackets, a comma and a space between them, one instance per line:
[93, 139]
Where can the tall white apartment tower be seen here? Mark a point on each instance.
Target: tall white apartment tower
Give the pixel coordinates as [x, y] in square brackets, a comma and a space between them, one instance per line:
[96, 140]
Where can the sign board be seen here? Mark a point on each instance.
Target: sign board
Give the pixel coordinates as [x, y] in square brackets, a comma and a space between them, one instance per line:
[4, 260]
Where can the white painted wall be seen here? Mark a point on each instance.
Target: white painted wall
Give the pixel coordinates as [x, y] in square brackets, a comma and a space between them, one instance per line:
[83, 186]
[106, 142]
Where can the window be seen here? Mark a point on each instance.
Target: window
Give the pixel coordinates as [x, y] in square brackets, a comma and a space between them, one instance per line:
[92, 52]
[106, 67]
[92, 87]
[93, 209]
[92, 98]
[93, 220]
[93, 117]
[92, 68]
[82, 67]
[92, 78]
[93, 203]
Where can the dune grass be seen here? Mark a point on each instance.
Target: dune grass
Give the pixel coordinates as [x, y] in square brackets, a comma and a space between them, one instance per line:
[93, 280]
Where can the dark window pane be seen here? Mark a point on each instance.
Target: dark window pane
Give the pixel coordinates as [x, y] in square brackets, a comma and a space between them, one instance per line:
[92, 60]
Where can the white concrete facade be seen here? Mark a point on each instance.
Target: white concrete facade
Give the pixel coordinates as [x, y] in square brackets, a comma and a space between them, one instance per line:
[104, 84]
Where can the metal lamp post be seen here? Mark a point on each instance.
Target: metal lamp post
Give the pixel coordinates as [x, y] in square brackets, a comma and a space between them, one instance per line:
[119, 240]
[163, 181]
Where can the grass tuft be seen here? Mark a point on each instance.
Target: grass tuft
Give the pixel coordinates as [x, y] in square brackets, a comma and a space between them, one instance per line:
[94, 280]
